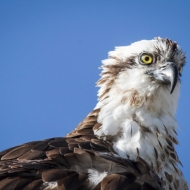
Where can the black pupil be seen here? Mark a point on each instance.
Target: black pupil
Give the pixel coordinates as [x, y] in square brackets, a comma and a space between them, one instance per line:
[146, 58]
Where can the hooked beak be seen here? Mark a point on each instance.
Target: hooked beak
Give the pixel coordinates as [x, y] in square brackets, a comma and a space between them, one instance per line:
[167, 74]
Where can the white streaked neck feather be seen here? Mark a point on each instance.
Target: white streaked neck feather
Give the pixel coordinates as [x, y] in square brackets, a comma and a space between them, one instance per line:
[141, 120]
[140, 114]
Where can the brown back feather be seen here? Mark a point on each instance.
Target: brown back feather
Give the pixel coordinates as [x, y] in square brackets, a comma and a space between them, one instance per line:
[67, 160]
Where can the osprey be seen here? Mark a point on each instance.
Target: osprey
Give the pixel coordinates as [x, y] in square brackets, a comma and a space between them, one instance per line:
[126, 143]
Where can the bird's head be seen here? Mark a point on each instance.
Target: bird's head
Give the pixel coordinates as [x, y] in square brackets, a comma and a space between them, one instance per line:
[144, 67]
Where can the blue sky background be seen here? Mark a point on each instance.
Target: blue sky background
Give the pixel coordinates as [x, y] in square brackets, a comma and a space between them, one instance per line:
[50, 52]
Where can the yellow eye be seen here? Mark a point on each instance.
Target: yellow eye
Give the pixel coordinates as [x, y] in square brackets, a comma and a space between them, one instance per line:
[146, 59]
[180, 69]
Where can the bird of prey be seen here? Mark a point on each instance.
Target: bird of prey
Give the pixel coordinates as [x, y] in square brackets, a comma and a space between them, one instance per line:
[126, 143]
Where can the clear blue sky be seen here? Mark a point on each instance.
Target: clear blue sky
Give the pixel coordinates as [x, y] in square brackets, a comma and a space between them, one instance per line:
[50, 52]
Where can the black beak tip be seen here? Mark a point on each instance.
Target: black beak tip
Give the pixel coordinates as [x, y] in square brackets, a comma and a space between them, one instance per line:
[171, 90]
[174, 80]
[173, 75]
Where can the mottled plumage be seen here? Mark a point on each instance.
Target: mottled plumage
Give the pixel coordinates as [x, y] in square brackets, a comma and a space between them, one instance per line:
[127, 142]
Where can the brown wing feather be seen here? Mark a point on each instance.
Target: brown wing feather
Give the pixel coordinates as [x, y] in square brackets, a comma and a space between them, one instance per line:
[33, 165]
